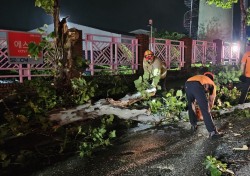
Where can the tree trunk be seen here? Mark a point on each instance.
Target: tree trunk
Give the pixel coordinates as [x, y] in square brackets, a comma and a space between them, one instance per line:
[130, 99]
[243, 25]
[102, 107]
[56, 18]
[65, 43]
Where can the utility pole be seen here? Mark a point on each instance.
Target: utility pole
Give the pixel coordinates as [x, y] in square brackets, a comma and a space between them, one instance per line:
[191, 18]
[150, 22]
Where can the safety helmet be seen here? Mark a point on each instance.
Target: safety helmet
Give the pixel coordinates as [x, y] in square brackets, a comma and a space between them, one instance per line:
[210, 75]
[149, 56]
[148, 52]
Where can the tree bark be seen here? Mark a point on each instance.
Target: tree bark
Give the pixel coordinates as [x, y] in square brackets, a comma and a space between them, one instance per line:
[56, 17]
[243, 25]
[102, 107]
[108, 106]
[130, 99]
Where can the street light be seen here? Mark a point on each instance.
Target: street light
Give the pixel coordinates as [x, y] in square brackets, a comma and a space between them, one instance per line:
[150, 23]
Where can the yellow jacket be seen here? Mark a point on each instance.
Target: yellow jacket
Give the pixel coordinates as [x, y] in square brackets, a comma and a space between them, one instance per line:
[156, 68]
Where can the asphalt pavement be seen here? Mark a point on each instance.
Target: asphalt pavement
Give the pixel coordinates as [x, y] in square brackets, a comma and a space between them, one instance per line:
[170, 150]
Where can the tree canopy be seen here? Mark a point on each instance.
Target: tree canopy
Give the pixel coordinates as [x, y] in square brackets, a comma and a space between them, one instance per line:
[226, 4]
[47, 5]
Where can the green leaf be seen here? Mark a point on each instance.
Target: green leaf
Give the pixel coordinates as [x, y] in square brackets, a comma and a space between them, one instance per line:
[110, 119]
[179, 93]
[38, 3]
[112, 134]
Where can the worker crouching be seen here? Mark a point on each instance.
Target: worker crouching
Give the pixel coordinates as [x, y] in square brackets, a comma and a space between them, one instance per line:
[154, 68]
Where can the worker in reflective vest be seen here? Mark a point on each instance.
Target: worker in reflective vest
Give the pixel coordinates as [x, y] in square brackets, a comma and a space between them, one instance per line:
[154, 68]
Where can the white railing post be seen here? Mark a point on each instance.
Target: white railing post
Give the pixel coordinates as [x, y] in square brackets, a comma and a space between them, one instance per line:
[194, 50]
[89, 39]
[204, 52]
[28, 72]
[182, 53]
[168, 54]
[20, 68]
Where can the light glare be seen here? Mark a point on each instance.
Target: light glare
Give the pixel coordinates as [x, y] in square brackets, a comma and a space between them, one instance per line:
[236, 48]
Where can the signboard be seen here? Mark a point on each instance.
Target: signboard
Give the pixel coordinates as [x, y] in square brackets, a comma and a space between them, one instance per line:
[18, 47]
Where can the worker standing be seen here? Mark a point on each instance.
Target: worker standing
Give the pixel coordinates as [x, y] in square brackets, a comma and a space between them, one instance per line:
[245, 77]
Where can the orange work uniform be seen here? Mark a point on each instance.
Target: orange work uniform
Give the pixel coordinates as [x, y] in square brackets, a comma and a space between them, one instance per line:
[245, 67]
[196, 88]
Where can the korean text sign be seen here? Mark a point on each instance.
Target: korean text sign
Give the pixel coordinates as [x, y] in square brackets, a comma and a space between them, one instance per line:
[18, 43]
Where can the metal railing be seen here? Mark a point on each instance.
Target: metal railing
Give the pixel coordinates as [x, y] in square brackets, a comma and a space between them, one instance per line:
[230, 53]
[117, 54]
[18, 71]
[205, 52]
[171, 52]
[107, 53]
[113, 53]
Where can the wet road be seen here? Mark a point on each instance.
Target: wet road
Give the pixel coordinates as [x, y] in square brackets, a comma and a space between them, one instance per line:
[165, 150]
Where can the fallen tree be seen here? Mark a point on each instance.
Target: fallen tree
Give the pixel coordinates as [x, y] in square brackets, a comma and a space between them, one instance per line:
[120, 108]
[108, 106]
[130, 99]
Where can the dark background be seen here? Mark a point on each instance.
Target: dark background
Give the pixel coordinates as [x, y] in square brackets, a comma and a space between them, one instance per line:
[118, 15]
[121, 15]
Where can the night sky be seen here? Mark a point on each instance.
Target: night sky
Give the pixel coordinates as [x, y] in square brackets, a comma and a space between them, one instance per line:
[119, 15]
